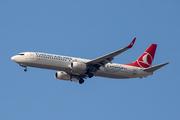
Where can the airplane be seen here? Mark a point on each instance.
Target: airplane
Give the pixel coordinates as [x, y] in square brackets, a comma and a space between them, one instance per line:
[77, 69]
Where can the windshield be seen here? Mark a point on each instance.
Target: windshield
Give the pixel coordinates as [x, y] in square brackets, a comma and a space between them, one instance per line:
[21, 54]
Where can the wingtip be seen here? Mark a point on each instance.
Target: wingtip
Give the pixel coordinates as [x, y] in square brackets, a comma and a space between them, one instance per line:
[132, 43]
[167, 63]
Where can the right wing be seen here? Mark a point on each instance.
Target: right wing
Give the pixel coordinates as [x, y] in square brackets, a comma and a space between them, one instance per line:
[100, 61]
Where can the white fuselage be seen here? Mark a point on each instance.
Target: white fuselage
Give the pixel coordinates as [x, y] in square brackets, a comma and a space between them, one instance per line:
[63, 63]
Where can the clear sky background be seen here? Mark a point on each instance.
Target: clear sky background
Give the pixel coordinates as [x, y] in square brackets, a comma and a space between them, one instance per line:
[89, 29]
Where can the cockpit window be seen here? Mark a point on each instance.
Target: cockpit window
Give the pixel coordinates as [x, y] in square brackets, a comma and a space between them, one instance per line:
[20, 54]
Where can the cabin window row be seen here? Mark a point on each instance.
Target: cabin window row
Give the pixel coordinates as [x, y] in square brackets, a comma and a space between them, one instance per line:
[56, 58]
[117, 67]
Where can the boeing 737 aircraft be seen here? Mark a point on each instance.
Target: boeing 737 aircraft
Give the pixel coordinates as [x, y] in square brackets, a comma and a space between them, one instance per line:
[77, 69]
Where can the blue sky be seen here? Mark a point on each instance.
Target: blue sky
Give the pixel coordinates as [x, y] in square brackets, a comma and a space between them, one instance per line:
[89, 29]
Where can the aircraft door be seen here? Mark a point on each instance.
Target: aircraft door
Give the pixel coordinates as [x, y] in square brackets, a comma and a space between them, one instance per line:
[134, 71]
[31, 55]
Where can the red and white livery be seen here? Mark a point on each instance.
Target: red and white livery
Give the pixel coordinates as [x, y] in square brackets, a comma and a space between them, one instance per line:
[76, 69]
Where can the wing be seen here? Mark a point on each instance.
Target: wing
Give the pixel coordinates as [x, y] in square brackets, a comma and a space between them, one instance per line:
[100, 61]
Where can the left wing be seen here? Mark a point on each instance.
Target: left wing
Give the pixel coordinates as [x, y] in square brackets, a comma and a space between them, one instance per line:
[109, 57]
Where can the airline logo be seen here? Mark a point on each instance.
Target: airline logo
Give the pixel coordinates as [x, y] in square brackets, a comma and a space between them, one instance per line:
[145, 60]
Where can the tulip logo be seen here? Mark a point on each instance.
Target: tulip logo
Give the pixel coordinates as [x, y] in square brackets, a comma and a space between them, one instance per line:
[145, 60]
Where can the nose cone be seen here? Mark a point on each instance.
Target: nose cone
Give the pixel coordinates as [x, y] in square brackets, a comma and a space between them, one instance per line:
[14, 58]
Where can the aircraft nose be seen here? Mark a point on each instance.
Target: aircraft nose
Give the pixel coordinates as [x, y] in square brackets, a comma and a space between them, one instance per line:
[14, 58]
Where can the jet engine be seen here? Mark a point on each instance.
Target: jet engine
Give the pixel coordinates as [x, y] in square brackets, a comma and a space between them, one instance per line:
[65, 76]
[62, 75]
[78, 66]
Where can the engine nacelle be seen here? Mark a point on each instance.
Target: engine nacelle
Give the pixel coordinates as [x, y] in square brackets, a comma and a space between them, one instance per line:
[78, 66]
[62, 75]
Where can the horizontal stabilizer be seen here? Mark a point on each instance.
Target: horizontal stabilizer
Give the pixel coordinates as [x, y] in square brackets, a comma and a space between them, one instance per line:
[154, 68]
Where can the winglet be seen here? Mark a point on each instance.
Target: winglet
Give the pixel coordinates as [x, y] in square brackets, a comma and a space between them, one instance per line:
[131, 44]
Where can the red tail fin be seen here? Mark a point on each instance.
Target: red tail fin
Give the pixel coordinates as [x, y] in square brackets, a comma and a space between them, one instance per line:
[146, 59]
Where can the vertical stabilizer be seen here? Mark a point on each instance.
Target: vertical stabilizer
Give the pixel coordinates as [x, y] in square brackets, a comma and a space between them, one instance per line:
[146, 59]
